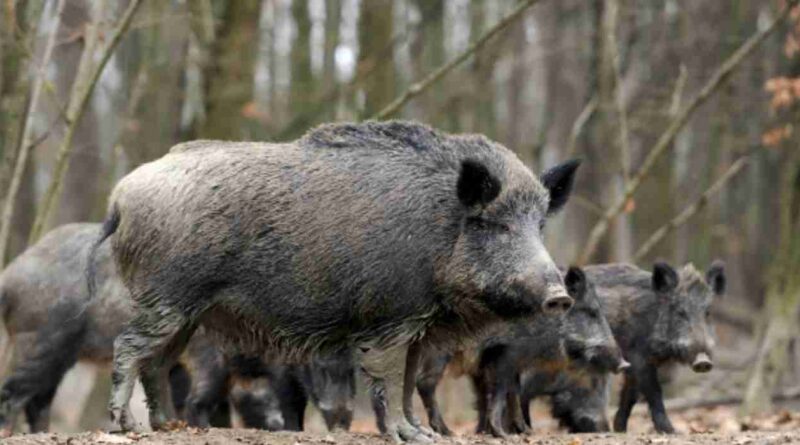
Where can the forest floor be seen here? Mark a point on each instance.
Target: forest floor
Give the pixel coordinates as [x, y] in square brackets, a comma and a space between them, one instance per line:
[700, 426]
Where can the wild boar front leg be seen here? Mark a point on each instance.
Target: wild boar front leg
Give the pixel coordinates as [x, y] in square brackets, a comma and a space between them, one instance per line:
[385, 369]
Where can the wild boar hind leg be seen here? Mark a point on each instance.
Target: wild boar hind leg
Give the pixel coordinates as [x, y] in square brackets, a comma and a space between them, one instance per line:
[149, 344]
[385, 370]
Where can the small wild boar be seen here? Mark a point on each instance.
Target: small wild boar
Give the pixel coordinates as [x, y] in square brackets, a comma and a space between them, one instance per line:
[580, 345]
[356, 236]
[658, 318]
[577, 400]
[548, 355]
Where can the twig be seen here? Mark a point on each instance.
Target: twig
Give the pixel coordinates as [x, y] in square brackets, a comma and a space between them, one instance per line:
[587, 204]
[681, 218]
[666, 139]
[417, 88]
[677, 93]
[79, 98]
[26, 144]
[580, 122]
[619, 100]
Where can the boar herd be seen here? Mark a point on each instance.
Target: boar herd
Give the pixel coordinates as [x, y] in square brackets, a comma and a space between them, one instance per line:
[261, 276]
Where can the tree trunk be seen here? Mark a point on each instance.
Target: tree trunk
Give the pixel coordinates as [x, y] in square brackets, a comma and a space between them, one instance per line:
[77, 200]
[375, 36]
[783, 296]
[333, 15]
[231, 79]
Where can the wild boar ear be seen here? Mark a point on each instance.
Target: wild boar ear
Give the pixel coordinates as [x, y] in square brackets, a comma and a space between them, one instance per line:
[715, 277]
[559, 180]
[665, 279]
[476, 185]
[575, 280]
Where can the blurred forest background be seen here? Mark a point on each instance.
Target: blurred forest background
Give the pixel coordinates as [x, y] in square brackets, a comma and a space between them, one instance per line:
[683, 112]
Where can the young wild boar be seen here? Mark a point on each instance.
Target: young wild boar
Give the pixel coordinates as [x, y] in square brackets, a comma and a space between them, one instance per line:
[356, 236]
[548, 355]
[657, 318]
[577, 400]
[580, 346]
[270, 396]
[51, 325]
[330, 383]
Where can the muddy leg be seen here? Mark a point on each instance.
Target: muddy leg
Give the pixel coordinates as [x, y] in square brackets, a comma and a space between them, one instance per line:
[413, 359]
[525, 407]
[627, 399]
[482, 395]
[37, 411]
[427, 381]
[386, 369]
[651, 388]
[514, 411]
[148, 345]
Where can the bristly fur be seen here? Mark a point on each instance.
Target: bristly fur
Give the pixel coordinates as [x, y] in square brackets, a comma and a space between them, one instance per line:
[403, 164]
[654, 327]
[352, 237]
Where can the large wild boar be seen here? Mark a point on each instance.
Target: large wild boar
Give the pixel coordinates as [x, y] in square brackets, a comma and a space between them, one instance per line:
[361, 236]
[658, 318]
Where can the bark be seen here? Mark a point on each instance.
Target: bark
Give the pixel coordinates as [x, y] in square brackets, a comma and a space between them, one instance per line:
[783, 296]
[302, 82]
[375, 34]
[231, 77]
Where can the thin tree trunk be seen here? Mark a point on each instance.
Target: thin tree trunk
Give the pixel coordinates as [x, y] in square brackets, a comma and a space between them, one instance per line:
[231, 77]
[375, 34]
[783, 296]
[85, 82]
[333, 15]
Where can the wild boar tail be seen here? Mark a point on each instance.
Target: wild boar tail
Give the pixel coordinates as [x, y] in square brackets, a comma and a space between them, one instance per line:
[110, 226]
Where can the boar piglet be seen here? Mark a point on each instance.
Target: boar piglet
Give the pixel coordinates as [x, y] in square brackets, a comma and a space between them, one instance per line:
[357, 236]
[658, 318]
[577, 400]
[577, 345]
[330, 382]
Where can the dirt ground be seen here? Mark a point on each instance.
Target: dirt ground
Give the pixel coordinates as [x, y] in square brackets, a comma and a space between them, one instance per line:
[705, 426]
[241, 436]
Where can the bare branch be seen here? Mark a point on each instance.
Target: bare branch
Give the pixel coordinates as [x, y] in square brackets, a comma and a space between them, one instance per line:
[690, 210]
[677, 93]
[26, 143]
[417, 88]
[668, 136]
[81, 92]
[580, 122]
